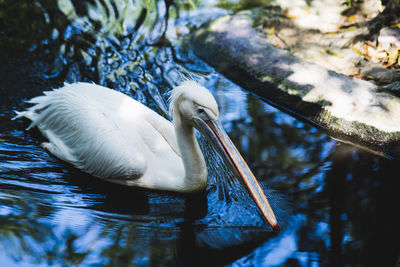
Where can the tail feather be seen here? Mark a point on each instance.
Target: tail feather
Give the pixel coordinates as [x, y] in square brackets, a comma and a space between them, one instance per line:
[27, 114]
[20, 114]
[35, 112]
[37, 99]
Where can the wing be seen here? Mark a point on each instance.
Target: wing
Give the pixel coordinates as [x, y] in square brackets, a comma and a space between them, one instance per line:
[107, 134]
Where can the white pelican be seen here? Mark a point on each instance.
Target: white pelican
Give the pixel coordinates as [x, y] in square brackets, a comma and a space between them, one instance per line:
[111, 136]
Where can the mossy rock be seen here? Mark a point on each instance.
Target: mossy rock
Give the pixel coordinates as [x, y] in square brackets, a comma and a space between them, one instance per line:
[346, 108]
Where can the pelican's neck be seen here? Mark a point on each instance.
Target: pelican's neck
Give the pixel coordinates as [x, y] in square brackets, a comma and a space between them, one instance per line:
[192, 157]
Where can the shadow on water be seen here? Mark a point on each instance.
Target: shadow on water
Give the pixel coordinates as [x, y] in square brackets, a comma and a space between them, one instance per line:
[338, 204]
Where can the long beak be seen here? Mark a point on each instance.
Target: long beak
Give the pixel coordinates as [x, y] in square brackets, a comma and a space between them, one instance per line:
[214, 132]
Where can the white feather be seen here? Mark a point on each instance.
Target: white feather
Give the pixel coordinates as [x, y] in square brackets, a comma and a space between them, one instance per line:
[109, 135]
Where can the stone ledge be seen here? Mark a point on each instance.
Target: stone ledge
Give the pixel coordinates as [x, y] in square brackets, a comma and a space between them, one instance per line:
[346, 108]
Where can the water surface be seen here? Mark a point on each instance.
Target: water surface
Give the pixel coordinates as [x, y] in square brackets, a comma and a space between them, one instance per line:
[337, 204]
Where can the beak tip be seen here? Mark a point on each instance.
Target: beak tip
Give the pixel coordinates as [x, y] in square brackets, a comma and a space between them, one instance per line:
[276, 227]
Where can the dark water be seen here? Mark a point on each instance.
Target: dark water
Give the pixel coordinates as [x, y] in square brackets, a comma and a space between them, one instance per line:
[338, 205]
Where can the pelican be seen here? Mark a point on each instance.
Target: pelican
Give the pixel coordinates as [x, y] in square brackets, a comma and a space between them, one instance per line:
[111, 136]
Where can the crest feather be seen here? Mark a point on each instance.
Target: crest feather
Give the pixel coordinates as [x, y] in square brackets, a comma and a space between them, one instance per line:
[195, 92]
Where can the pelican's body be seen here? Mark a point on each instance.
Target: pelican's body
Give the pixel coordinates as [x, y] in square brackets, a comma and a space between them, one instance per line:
[110, 135]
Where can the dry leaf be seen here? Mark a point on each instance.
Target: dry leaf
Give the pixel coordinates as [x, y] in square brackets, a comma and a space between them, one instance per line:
[331, 53]
[392, 56]
[381, 54]
[370, 53]
[355, 49]
[342, 29]
[290, 16]
[366, 50]
[357, 75]
[352, 18]
[271, 31]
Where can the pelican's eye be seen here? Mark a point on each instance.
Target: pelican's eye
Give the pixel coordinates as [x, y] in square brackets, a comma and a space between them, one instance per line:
[202, 113]
[205, 113]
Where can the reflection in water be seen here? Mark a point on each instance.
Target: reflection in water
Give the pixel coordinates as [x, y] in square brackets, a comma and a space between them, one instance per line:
[338, 203]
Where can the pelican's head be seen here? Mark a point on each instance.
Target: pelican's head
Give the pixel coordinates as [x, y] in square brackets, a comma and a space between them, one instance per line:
[195, 106]
[192, 101]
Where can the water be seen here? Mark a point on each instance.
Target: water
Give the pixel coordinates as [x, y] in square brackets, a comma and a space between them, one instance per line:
[337, 204]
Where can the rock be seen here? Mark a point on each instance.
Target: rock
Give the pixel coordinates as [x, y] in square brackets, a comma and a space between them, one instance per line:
[393, 87]
[382, 75]
[346, 108]
[388, 37]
